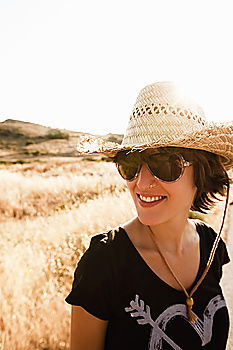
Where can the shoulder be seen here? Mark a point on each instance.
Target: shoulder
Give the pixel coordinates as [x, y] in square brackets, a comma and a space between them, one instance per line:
[103, 245]
[204, 229]
[204, 225]
[208, 236]
[96, 260]
[107, 240]
[93, 284]
[206, 232]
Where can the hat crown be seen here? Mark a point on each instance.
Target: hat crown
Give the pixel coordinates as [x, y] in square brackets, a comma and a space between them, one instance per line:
[167, 92]
[161, 114]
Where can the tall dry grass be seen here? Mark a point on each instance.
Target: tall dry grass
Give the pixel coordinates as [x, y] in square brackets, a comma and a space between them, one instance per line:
[39, 191]
[40, 244]
[48, 213]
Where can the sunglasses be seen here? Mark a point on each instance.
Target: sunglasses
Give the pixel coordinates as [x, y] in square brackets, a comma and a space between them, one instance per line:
[167, 167]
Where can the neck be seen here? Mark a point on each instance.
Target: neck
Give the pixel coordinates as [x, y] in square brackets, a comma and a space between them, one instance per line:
[173, 237]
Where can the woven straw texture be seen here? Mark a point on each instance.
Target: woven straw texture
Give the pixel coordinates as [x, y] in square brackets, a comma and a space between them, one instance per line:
[163, 116]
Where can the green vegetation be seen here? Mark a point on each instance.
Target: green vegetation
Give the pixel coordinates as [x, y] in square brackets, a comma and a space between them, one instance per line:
[57, 135]
[8, 132]
[8, 162]
[29, 142]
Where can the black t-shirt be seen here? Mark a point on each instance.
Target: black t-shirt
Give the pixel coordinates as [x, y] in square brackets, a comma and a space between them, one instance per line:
[114, 283]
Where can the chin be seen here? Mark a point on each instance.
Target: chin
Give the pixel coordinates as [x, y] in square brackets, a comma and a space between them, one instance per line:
[150, 221]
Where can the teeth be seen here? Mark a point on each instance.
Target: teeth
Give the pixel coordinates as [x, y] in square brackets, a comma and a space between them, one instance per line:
[150, 199]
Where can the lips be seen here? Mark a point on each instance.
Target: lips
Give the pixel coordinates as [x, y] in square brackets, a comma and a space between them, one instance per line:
[146, 200]
[150, 199]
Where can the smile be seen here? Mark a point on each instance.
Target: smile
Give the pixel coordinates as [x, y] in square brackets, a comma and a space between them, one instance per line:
[150, 199]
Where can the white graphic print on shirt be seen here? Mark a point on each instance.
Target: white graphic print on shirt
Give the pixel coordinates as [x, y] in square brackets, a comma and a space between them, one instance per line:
[203, 328]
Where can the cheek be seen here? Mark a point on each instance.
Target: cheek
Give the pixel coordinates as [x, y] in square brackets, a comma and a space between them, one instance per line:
[187, 184]
[131, 188]
[130, 185]
[188, 191]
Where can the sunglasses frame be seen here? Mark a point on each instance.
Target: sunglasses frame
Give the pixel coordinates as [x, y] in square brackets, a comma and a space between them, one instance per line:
[184, 163]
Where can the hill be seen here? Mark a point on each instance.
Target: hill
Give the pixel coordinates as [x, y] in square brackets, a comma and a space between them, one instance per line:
[22, 141]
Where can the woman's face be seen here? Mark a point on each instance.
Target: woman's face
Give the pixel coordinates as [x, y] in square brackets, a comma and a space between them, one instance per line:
[159, 202]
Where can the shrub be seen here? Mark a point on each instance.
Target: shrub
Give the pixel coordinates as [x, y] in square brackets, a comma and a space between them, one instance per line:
[58, 135]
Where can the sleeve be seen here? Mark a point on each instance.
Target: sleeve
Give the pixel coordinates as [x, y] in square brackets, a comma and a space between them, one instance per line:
[91, 287]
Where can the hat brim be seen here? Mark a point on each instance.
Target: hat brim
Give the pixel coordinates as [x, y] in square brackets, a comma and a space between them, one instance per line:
[217, 139]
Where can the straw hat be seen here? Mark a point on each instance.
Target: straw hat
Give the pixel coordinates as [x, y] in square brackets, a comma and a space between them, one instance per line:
[164, 117]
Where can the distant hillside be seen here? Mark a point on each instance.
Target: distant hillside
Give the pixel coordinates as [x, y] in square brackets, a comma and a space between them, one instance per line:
[31, 130]
[25, 140]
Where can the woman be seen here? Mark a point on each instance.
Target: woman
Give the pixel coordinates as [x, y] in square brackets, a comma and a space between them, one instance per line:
[153, 283]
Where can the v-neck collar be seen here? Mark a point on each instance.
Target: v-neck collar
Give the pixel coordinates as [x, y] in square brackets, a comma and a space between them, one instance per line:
[141, 260]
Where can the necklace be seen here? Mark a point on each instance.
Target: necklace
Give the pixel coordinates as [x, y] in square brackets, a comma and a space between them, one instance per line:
[189, 300]
[192, 317]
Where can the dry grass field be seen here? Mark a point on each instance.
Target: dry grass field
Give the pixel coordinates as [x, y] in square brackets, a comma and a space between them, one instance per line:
[49, 210]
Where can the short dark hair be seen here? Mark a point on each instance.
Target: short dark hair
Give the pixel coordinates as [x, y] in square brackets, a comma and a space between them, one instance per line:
[210, 177]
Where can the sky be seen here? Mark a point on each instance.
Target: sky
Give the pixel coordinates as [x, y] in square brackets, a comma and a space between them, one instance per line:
[79, 65]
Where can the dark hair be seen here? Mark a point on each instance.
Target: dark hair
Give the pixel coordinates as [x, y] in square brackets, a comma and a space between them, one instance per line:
[210, 177]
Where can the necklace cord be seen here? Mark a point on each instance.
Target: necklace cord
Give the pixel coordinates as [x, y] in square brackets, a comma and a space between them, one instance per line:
[192, 317]
[189, 300]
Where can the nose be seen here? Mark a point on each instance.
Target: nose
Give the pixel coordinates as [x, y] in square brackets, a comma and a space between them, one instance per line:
[145, 179]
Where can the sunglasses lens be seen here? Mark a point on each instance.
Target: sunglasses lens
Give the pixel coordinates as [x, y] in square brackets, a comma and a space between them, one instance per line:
[128, 165]
[167, 167]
